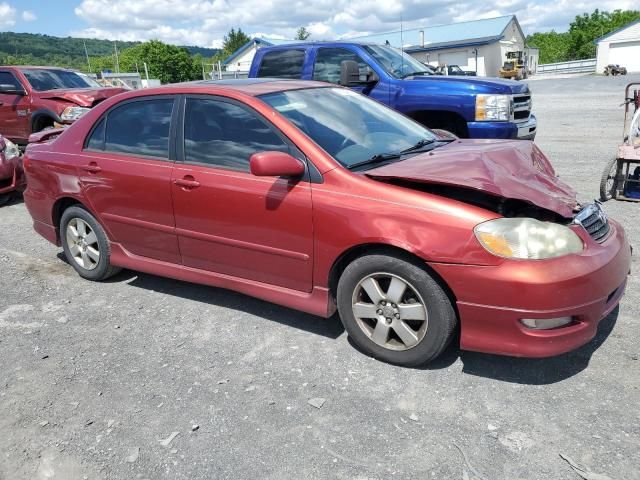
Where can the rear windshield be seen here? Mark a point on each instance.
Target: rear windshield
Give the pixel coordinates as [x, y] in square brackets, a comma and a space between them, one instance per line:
[41, 79]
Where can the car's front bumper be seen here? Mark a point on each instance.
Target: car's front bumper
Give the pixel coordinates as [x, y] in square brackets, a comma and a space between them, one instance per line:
[525, 130]
[491, 300]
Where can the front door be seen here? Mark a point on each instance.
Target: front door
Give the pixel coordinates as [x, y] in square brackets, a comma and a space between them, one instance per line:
[14, 110]
[326, 68]
[125, 171]
[229, 221]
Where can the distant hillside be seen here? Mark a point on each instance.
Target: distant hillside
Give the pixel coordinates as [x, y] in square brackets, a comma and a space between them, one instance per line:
[36, 49]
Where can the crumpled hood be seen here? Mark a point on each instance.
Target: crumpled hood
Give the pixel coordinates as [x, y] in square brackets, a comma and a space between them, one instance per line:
[83, 97]
[509, 169]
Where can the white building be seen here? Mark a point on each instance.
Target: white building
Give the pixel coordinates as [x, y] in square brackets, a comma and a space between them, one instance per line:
[620, 47]
[479, 45]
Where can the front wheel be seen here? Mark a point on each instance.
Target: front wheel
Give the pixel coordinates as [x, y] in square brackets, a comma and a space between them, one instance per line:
[609, 181]
[86, 245]
[394, 310]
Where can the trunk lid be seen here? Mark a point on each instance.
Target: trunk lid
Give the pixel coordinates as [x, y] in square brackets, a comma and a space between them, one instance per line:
[508, 169]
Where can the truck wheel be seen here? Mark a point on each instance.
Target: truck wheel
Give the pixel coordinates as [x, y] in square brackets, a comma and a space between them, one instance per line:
[609, 181]
[394, 310]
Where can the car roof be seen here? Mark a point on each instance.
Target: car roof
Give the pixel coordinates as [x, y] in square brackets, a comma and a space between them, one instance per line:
[248, 86]
[34, 67]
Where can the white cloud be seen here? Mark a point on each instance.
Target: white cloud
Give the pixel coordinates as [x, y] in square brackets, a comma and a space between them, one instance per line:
[7, 15]
[29, 16]
[205, 22]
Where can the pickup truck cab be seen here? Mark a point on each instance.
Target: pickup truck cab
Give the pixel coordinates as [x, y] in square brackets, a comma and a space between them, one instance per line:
[35, 98]
[454, 70]
[470, 107]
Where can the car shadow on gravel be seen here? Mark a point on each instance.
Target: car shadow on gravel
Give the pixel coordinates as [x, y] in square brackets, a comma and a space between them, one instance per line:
[329, 327]
[14, 199]
[538, 371]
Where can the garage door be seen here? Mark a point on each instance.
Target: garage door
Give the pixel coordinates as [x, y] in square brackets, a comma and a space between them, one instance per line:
[626, 54]
[453, 58]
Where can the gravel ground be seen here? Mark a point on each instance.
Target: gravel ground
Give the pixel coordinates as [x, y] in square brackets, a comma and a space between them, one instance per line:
[97, 379]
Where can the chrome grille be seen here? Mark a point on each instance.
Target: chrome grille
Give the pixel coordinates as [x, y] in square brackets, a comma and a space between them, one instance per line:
[521, 107]
[594, 221]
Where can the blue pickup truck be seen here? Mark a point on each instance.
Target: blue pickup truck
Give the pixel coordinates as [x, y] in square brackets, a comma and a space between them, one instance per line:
[470, 107]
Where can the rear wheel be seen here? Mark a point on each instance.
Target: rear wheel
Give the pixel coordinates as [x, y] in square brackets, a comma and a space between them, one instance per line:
[394, 310]
[609, 181]
[86, 245]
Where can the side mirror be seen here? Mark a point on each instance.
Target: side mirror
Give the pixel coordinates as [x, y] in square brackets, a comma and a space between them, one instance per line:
[275, 164]
[350, 75]
[8, 89]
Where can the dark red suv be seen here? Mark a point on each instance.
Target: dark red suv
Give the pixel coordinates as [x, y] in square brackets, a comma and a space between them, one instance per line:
[316, 197]
[35, 98]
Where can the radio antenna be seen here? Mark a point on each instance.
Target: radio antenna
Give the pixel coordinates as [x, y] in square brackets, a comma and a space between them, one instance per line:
[401, 47]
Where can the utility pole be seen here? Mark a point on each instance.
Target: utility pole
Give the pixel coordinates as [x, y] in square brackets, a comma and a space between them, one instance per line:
[87, 55]
[146, 71]
[115, 47]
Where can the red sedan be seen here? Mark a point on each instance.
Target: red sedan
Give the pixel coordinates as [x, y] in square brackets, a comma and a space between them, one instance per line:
[317, 198]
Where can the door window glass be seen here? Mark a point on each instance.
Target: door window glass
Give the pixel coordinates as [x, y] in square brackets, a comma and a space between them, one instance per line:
[328, 61]
[225, 135]
[140, 128]
[7, 78]
[282, 64]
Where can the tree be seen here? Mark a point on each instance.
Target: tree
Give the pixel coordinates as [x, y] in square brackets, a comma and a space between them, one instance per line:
[554, 47]
[586, 28]
[168, 63]
[302, 34]
[577, 43]
[233, 41]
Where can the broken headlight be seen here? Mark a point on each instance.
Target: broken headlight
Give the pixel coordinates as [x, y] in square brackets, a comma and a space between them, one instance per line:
[9, 149]
[527, 238]
[71, 114]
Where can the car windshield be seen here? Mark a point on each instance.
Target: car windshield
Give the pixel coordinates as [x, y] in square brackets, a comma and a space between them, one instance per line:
[348, 126]
[397, 63]
[42, 79]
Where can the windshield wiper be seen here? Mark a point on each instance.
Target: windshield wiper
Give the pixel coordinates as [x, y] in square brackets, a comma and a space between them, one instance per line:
[419, 144]
[421, 72]
[378, 158]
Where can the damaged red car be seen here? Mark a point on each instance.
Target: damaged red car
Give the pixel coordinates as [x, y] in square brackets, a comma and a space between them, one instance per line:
[318, 198]
[33, 99]
[12, 178]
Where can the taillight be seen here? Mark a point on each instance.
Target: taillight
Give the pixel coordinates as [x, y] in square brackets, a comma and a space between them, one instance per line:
[25, 162]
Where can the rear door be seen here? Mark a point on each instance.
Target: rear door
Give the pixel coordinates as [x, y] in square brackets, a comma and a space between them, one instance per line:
[125, 172]
[229, 221]
[14, 109]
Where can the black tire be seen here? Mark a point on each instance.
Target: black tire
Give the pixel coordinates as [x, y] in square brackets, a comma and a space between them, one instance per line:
[102, 269]
[441, 318]
[608, 181]
[4, 199]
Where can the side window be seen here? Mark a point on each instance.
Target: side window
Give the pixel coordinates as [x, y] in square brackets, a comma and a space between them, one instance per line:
[282, 64]
[96, 139]
[8, 78]
[225, 135]
[140, 128]
[328, 60]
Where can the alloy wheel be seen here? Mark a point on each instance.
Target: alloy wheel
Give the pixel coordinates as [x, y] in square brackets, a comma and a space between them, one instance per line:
[390, 311]
[83, 244]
